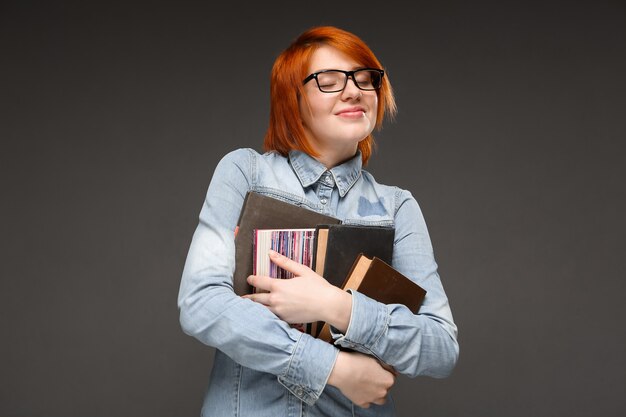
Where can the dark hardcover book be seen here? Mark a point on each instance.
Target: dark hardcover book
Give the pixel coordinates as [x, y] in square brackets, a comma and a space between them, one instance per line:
[380, 281]
[338, 245]
[263, 212]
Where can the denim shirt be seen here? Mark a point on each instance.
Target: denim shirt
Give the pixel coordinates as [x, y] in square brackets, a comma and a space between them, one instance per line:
[263, 366]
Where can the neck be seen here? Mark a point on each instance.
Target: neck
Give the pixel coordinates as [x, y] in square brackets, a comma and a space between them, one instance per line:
[330, 158]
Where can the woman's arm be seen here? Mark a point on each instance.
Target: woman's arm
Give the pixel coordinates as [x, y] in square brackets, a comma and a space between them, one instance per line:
[309, 297]
[413, 344]
[211, 312]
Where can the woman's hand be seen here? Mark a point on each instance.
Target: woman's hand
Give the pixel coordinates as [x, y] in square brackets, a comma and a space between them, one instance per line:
[361, 378]
[305, 298]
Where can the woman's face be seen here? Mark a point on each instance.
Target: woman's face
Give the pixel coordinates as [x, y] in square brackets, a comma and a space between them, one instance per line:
[337, 122]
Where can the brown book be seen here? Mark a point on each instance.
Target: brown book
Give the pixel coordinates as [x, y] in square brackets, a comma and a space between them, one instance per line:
[380, 281]
[263, 212]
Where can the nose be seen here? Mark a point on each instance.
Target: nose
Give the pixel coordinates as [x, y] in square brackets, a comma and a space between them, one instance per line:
[351, 91]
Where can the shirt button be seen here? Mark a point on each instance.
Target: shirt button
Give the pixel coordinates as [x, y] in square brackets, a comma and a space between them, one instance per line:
[323, 201]
[299, 392]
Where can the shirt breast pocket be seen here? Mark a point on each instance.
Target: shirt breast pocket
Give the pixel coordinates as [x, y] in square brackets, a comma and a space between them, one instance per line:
[287, 197]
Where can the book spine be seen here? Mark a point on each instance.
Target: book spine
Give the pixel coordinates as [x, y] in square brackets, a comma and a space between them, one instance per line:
[296, 244]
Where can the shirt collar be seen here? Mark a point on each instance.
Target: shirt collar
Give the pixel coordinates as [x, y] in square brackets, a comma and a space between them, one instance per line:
[309, 170]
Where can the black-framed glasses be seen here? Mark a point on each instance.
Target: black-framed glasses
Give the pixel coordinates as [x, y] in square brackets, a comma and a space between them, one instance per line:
[333, 81]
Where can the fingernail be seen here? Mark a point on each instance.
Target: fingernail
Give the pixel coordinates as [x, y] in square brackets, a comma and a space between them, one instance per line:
[274, 254]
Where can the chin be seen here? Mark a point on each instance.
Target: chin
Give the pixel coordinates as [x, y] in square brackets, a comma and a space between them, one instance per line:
[358, 137]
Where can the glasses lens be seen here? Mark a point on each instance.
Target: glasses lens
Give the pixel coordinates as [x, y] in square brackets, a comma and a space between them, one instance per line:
[334, 81]
[331, 81]
[368, 79]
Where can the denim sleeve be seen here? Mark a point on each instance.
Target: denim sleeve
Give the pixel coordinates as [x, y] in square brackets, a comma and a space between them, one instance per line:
[210, 311]
[413, 344]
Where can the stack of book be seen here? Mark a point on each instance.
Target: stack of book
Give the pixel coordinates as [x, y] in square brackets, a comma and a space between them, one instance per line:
[348, 256]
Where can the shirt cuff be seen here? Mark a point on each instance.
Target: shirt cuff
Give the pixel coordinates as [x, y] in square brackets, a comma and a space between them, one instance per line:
[311, 364]
[369, 320]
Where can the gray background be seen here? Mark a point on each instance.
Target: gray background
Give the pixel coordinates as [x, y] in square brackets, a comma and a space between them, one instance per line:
[510, 134]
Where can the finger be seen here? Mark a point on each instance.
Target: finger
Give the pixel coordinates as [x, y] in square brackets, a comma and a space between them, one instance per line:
[261, 282]
[288, 264]
[389, 368]
[261, 298]
[380, 401]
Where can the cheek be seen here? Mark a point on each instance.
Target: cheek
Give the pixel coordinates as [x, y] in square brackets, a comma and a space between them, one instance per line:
[322, 106]
[373, 114]
[309, 113]
[320, 109]
[373, 117]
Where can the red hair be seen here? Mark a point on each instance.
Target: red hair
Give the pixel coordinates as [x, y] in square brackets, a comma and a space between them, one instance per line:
[285, 131]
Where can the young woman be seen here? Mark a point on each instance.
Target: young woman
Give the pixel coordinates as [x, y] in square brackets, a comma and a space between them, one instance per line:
[328, 93]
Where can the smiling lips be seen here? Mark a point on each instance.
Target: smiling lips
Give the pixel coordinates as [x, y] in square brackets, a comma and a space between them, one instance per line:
[352, 112]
